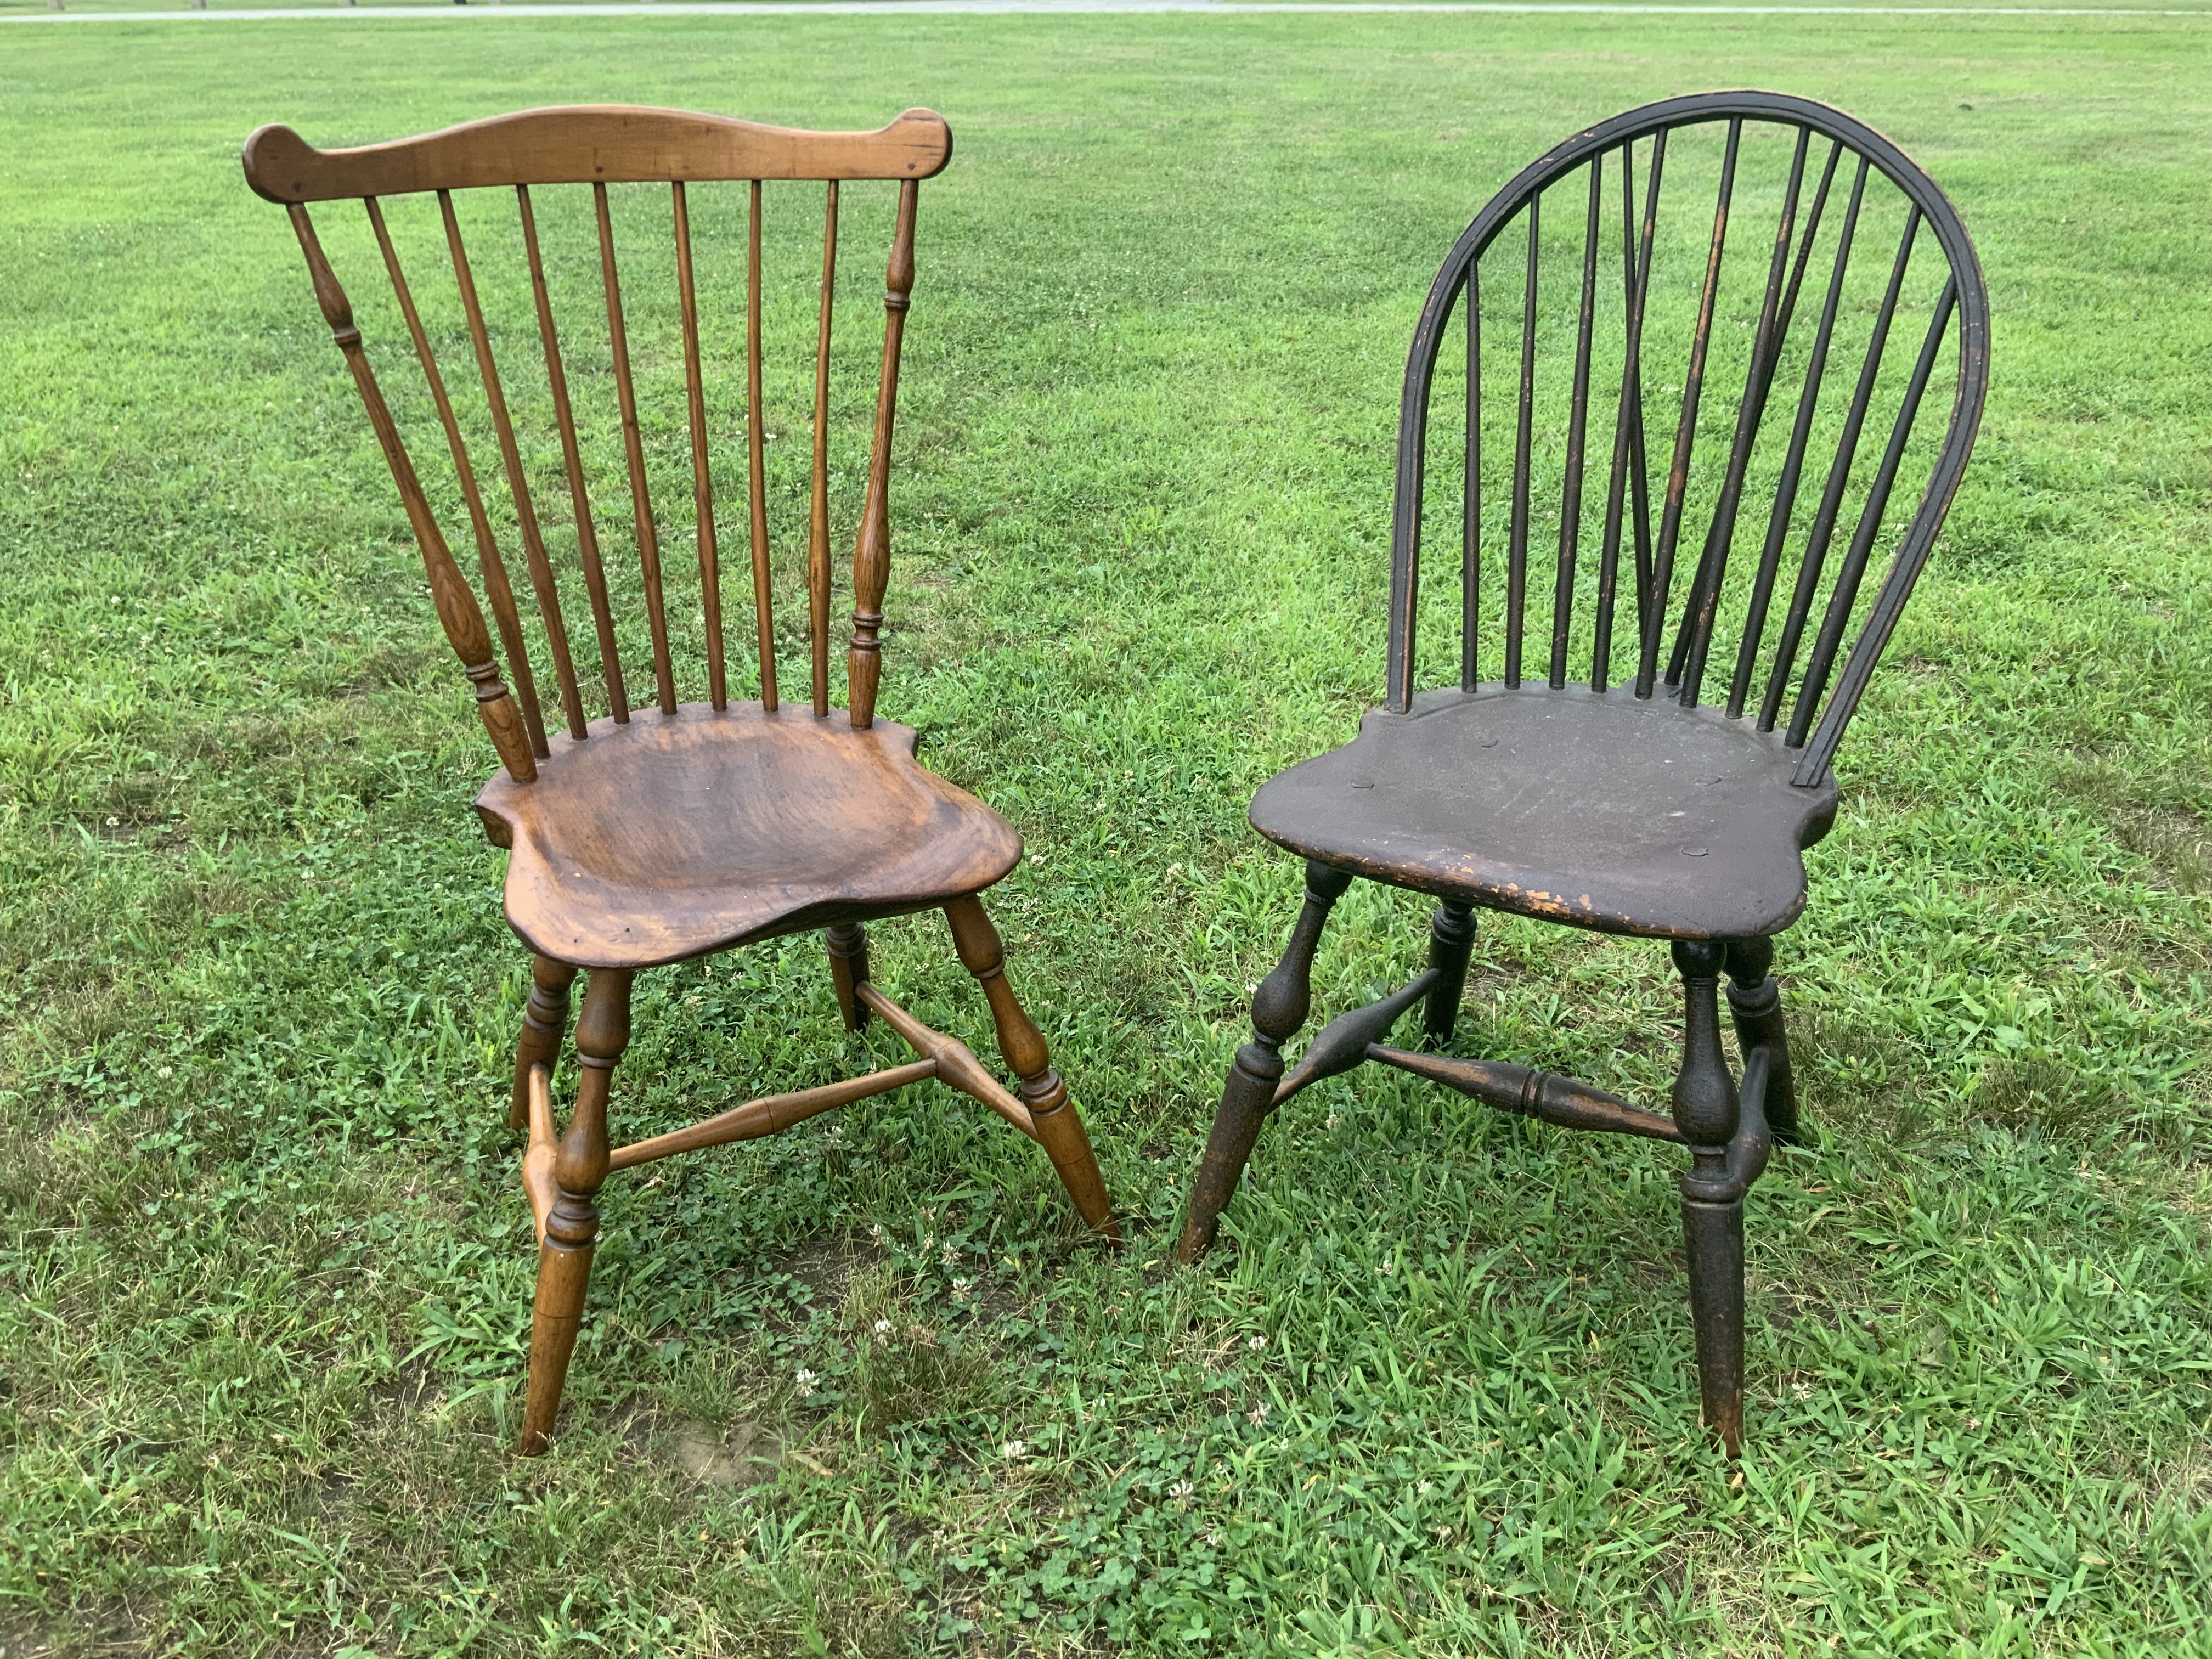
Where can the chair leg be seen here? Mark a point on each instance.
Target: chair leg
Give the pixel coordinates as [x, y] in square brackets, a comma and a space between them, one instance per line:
[1279, 1007]
[1713, 1235]
[1451, 943]
[564, 1259]
[1706, 1112]
[1755, 1003]
[1059, 1128]
[848, 966]
[545, 1017]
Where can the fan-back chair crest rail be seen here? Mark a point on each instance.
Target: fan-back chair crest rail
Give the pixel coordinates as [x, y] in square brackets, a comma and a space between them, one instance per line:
[1590, 781]
[683, 828]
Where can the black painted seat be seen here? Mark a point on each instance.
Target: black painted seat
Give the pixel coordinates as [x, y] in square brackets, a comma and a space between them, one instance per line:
[1600, 809]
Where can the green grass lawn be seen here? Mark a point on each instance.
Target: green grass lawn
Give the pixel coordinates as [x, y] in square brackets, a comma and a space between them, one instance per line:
[268, 1266]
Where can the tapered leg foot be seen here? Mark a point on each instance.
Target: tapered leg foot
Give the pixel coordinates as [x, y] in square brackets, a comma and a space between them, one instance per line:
[1451, 943]
[1279, 1007]
[571, 1229]
[1059, 1128]
[1245, 1098]
[544, 1017]
[1707, 1112]
[1713, 1234]
[848, 967]
[1754, 999]
[563, 1277]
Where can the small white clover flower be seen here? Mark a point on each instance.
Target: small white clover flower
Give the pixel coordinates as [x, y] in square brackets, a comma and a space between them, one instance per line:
[1181, 1489]
[1332, 1122]
[1015, 1449]
[806, 1381]
[1255, 1342]
[1259, 1412]
[876, 1232]
[883, 1327]
[1423, 1488]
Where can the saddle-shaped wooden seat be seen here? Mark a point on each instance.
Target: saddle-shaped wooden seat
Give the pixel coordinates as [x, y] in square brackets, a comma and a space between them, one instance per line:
[1597, 809]
[660, 839]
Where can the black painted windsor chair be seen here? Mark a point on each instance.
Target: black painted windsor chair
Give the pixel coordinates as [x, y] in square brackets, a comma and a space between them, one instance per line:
[1635, 806]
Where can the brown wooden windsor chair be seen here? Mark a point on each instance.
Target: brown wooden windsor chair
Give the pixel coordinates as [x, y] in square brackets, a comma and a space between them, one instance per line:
[699, 826]
[1634, 808]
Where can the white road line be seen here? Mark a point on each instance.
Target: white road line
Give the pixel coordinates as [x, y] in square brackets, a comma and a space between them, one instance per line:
[1006, 7]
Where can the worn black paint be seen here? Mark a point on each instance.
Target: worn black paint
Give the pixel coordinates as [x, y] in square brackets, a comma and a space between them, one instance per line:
[1608, 806]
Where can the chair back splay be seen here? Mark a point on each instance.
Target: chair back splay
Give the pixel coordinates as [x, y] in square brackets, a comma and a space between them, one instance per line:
[696, 826]
[1681, 366]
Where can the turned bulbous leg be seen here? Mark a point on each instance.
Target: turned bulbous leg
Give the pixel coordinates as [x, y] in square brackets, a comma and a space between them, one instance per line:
[544, 1017]
[1059, 1128]
[1451, 943]
[1279, 1007]
[564, 1260]
[1754, 997]
[848, 967]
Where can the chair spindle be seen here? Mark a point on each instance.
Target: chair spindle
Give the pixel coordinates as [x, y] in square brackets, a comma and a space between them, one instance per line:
[588, 540]
[1571, 492]
[1695, 635]
[702, 478]
[1793, 460]
[1686, 431]
[1814, 216]
[648, 543]
[1845, 593]
[1832, 496]
[496, 584]
[1470, 554]
[518, 481]
[757, 454]
[1641, 496]
[458, 611]
[1516, 547]
[872, 553]
[1627, 489]
[534, 543]
[1911, 558]
[818, 573]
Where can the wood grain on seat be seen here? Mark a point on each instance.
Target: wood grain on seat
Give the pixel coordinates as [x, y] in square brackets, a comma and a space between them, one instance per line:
[670, 837]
